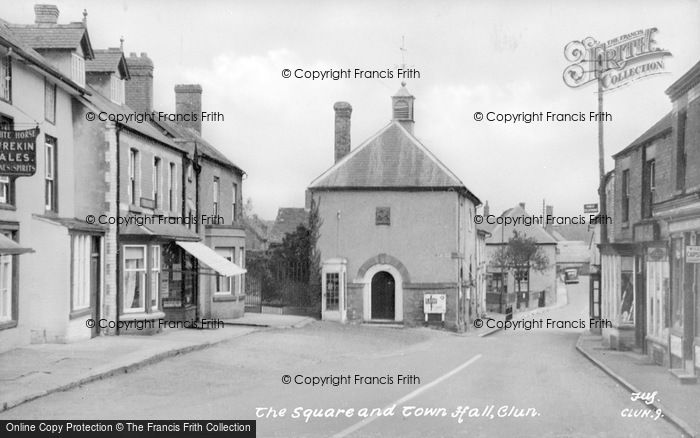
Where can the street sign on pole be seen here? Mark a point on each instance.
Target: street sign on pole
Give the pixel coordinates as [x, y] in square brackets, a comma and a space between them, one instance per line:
[590, 208]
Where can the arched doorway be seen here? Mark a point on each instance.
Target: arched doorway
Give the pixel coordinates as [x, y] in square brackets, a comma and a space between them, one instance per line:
[383, 296]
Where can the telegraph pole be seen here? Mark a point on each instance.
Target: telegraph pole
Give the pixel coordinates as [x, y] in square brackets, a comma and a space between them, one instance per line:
[601, 156]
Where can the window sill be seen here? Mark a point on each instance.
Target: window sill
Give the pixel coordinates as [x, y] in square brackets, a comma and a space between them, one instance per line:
[226, 297]
[8, 207]
[8, 325]
[133, 208]
[141, 315]
[81, 312]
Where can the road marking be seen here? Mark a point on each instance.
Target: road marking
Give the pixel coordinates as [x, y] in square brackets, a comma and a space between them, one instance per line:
[404, 399]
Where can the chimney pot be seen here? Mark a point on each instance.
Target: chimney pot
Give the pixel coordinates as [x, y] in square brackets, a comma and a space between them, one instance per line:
[487, 209]
[45, 14]
[343, 111]
[522, 205]
[188, 100]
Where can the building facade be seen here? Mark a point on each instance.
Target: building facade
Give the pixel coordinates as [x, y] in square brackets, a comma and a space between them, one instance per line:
[397, 235]
[91, 213]
[649, 266]
[41, 78]
[522, 290]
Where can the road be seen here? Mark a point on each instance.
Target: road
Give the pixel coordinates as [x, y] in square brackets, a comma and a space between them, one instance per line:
[548, 389]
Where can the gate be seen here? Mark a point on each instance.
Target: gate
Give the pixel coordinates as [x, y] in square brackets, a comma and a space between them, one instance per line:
[253, 294]
[280, 286]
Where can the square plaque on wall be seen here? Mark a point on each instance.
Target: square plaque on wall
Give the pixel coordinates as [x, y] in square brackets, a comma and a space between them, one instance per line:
[383, 216]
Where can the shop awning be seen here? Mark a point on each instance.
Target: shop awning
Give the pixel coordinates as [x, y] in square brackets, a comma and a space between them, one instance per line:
[10, 247]
[210, 258]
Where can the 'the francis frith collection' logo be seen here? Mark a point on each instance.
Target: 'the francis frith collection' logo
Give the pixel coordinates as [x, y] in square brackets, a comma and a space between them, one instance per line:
[18, 152]
[616, 62]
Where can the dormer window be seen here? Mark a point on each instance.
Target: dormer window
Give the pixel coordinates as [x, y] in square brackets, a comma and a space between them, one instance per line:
[78, 69]
[117, 91]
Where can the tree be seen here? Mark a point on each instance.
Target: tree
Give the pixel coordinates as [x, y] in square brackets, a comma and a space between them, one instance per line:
[519, 256]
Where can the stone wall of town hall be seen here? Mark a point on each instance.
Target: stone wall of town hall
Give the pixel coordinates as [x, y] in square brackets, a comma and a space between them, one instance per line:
[422, 236]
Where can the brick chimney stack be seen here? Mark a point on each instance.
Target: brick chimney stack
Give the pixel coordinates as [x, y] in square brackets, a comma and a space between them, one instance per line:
[522, 205]
[343, 110]
[139, 89]
[45, 14]
[188, 100]
[487, 209]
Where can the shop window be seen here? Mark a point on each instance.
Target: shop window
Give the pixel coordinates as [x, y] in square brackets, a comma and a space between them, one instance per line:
[677, 284]
[6, 298]
[82, 253]
[5, 78]
[49, 102]
[50, 180]
[223, 284]
[627, 280]
[155, 277]
[658, 291]
[134, 278]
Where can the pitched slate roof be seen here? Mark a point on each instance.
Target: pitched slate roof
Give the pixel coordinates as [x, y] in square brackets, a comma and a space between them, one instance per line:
[685, 82]
[55, 36]
[501, 233]
[391, 159]
[204, 147]
[288, 219]
[656, 130]
[145, 128]
[10, 39]
[571, 232]
[108, 61]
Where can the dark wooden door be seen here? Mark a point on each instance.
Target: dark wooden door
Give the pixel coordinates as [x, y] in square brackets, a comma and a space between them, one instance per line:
[383, 290]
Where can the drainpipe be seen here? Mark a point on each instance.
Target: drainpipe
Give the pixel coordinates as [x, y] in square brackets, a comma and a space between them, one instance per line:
[117, 130]
[460, 298]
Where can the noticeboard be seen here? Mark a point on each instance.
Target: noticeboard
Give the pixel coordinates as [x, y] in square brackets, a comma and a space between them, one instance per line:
[692, 254]
[434, 303]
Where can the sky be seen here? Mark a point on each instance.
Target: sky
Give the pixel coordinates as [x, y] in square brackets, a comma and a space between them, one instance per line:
[501, 56]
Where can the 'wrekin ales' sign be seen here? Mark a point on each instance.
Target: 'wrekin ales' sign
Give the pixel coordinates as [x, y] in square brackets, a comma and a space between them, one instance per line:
[615, 62]
[18, 152]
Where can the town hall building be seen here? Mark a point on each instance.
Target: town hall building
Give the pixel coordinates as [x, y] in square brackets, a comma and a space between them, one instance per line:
[397, 237]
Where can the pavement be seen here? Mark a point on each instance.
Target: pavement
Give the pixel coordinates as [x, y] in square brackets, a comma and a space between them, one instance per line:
[269, 320]
[38, 370]
[679, 403]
